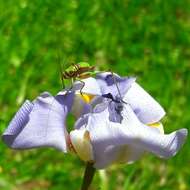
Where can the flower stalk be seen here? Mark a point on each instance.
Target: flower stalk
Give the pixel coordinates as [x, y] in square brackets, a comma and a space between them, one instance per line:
[88, 176]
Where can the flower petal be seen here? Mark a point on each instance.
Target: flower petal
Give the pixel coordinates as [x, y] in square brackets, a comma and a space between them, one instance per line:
[104, 135]
[123, 154]
[79, 107]
[112, 141]
[109, 82]
[20, 119]
[145, 107]
[42, 126]
[90, 86]
[149, 139]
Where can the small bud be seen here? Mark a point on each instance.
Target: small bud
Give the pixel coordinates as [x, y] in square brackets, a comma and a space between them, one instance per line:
[80, 140]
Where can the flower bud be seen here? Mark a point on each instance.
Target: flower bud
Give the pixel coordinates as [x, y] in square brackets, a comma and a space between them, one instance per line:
[80, 140]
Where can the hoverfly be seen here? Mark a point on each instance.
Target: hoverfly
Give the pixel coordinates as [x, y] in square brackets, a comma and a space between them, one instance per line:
[77, 72]
[80, 70]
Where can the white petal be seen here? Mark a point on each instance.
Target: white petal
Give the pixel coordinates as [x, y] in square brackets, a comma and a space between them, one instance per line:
[91, 86]
[124, 154]
[145, 107]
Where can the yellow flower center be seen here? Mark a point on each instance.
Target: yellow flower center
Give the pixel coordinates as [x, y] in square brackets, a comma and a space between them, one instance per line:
[87, 97]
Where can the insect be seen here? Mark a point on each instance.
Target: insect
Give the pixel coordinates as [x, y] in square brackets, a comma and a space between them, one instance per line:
[110, 96]
[78, 72]
[118, 103]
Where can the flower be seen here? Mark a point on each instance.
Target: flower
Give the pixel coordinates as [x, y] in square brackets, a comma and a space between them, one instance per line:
[116, 122]
[123, 137]
[125, 142]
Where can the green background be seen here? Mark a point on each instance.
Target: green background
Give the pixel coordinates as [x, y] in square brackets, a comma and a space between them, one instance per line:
[142, 38]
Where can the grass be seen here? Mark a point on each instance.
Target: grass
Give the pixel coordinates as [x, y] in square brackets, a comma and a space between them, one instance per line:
[149, 40]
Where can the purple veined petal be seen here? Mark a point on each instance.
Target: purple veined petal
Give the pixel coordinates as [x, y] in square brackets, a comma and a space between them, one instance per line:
[145, 107]
[105, 134]
[149, 139]
[66, 100]
[16, 125]
[77, 106]
[109, 138]
[107, 83]
[100, 104]
[82, 122]
[164, 146]
[45, 124]
[81, 106]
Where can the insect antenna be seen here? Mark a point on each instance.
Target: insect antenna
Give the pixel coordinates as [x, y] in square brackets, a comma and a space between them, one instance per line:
[60, 68]
[58, 56]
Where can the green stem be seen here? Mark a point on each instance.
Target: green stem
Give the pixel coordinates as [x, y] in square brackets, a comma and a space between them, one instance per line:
[88, 176]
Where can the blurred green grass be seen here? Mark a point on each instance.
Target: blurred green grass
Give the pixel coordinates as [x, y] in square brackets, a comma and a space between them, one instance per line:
[150, 40]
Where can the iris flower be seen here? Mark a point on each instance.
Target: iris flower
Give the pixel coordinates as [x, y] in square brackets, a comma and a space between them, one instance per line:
[110, 140]
[117, 121]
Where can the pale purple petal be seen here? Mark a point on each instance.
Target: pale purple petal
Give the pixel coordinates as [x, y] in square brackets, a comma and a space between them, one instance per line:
[108, 83]
[150, 140]
[20, 119]
[77, 105]
[40, 125]
[104, 134]
[108, 138]
[146, 108]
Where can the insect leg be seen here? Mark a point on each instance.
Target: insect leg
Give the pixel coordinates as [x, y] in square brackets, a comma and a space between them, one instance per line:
[116, 84]
[72, 82]
[83, 84]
